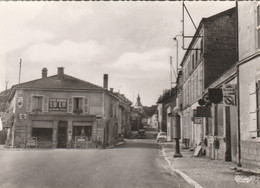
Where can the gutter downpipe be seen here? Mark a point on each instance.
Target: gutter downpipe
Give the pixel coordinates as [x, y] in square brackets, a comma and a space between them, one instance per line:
[238, 98]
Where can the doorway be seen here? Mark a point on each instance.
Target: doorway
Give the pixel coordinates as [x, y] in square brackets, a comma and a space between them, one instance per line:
[62, 134]
[228, 156]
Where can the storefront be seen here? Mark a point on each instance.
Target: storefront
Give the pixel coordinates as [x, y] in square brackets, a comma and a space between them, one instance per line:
[62, 132]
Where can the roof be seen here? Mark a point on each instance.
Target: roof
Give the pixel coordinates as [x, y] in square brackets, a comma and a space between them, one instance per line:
[150, 111]
[52, 82]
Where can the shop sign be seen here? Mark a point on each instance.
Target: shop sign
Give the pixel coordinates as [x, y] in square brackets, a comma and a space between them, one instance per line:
[20, 102]
[198, 120]
[57, 104]
[203, 111]
[210, 140]
[81, 138]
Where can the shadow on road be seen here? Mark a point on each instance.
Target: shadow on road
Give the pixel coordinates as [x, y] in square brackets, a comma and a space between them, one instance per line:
[139, 143]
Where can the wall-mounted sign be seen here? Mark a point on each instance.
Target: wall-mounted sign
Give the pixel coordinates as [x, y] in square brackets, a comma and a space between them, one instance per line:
[57, 104]
[198, 120]
[23, 116]
[20, 102]
[203, 111]
[229, 94]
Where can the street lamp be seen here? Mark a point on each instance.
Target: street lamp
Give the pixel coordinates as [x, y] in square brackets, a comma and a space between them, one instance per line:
[177, 48]
[176, 117]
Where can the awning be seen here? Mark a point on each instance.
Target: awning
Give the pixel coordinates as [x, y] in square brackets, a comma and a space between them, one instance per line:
[42, 124]
[82, 123]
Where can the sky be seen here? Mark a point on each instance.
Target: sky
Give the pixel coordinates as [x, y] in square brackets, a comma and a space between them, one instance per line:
[130, 41]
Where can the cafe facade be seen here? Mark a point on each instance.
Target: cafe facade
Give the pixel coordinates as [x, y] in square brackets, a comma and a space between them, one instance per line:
[62, 111]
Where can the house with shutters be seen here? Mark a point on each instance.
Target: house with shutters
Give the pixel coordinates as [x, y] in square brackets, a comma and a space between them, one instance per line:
[249, 83]
[62, 111]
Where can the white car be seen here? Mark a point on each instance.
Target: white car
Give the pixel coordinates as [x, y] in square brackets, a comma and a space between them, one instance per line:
[161, 137]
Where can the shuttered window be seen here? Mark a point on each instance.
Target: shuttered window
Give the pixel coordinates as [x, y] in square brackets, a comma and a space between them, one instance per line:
[29, 104]
[45, 104]
[70, 105]
[86, 105]
[37, 104]
[258, 25]
[258, 107]
[252, 110]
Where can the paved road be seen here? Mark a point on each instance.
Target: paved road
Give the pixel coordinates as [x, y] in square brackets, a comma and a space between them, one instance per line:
[135, 164]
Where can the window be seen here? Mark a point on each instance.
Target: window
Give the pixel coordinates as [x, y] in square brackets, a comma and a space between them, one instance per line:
[37, 103]
[258, 107]
[201, 46]
[42, 134]
[258, 25]
[82, 131]
[77, 104]
[193, 62]
[197, 57]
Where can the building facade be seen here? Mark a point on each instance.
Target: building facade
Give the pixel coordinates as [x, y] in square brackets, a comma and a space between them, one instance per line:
[249, 83]
[62, 111]
[211, 52]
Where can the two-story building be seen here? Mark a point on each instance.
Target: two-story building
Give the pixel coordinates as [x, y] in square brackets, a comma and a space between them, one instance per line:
[63, 111]
[210, 53]
[249, 83]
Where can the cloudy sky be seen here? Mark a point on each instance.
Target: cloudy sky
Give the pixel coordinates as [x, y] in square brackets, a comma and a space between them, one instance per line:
[130, 41]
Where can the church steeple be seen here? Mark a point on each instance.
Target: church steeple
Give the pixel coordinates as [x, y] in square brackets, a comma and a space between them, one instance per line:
[138, 103]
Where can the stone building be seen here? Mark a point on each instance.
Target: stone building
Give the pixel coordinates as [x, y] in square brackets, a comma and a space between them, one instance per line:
[62, 111]
[210, 53]
[249, 83]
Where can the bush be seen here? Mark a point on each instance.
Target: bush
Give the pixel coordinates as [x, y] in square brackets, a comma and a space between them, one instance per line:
[3, 136]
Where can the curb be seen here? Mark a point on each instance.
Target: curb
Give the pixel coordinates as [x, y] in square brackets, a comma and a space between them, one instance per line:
[117, 144]
[182, 174]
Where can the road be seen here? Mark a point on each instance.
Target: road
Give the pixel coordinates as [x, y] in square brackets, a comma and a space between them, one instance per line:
[134, 164]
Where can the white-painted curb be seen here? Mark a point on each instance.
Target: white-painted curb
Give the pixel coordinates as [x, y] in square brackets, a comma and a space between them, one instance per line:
[183, 175]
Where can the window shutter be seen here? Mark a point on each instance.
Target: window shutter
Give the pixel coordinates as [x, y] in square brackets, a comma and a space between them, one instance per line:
[85, 107]
[252, 110]
[45, 104]
[70, 105]
[29, 104]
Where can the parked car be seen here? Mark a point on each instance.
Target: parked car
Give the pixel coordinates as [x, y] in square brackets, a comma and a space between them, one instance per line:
[141, 134]
[161, 137]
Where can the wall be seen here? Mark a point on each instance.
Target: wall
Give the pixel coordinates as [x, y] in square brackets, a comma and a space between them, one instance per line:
[246, 28]
[245, 82]
[220, 46]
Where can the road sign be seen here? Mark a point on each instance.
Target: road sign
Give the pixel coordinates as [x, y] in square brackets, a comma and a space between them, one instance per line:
[229, 100]
[229, 94]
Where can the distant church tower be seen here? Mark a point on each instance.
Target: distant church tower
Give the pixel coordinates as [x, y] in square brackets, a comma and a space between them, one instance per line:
[138, 103]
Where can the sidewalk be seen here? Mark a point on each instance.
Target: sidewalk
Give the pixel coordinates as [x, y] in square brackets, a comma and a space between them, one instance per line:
[204, 172]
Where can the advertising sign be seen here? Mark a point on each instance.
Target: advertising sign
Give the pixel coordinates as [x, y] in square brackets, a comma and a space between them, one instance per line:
[57, 104]
[198, 120]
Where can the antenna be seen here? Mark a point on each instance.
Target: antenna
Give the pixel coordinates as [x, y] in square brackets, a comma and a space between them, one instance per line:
[20, 67]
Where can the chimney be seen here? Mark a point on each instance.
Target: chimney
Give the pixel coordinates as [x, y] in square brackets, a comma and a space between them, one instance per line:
[60, 73]
[105, 83]
[111, 90]
[44, 72]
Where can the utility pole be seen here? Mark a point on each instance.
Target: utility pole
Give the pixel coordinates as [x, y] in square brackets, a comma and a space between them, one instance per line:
[171, 71]
[20, 66]
[6, 85]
